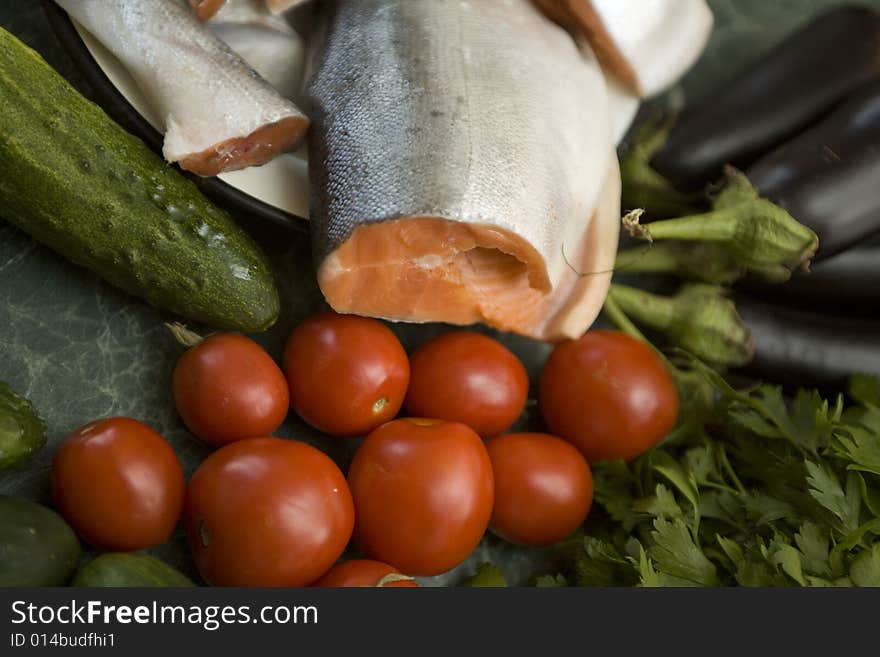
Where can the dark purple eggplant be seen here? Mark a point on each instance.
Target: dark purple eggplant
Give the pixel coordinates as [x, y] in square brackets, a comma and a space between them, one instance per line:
[850, 130]
[841, 205]
[786, 91]
[800, 349]
[847, 284]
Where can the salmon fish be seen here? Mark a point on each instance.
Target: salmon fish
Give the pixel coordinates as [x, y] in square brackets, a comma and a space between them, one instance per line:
[647, 44]
[462, 166]
[219, 114]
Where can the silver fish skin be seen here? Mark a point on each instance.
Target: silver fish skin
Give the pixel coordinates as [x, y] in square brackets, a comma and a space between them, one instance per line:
[219, 114]
[480, 113]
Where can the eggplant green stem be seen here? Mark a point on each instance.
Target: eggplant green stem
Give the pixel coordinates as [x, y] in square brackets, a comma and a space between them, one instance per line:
[699, 319]
[654, 310]
[715, 226]
[620, 320]
[643, 187]
[653, 259]
[707, 262]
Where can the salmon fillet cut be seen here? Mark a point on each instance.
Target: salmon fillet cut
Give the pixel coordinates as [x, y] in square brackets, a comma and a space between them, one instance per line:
[462, 167]
[646, 44]
[422, 269]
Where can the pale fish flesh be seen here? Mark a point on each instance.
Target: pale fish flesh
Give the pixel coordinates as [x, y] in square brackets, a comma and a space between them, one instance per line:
[219, 114]
[252, 12]
[266, 42]
[462, 167]
[647, 44]
[280, 6]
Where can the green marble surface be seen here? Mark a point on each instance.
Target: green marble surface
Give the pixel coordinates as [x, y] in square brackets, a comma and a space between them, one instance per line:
[81, 350]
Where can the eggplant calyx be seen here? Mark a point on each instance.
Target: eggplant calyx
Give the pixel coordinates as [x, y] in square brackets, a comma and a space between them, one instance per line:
[699, 318]
[770, 242]
[759, 236]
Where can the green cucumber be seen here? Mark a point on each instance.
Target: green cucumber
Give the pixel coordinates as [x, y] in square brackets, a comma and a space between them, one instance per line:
[129, 569]
[37, 548]
[22, 432]
[77, 182]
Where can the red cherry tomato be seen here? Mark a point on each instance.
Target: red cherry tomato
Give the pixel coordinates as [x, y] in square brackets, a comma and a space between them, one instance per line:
[364, 573]
[227, 388]
[423, 494]
[543, 488]
[119, 484]
[267, 512]
[347, 374]
[609, 394]
[469, 378]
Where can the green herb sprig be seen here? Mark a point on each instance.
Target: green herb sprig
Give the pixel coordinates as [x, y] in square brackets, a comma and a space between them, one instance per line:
[767, 491]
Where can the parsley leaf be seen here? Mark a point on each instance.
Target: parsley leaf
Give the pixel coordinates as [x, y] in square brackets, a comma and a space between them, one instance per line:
[601, 564]
[750, 565]
[649, 577]
[683, 481]
[870, 496]
[614, 487]
[826, 489]
[661, 505]
[865, 389]
[860, 447]
[812, 541]
[676, 553]
[780, 553]
[865, 568]
[550, 581]
[701, 465]
[764, 509]
[724, 505]
[813, 420]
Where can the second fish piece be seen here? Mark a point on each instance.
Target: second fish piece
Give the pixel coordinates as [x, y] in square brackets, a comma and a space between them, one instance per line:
[646, 44]
[219, 114]
[462, 167]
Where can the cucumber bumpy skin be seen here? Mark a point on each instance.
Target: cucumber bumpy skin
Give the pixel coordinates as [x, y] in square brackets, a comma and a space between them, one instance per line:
[22, 432]
[77, 182]
[115, 569]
